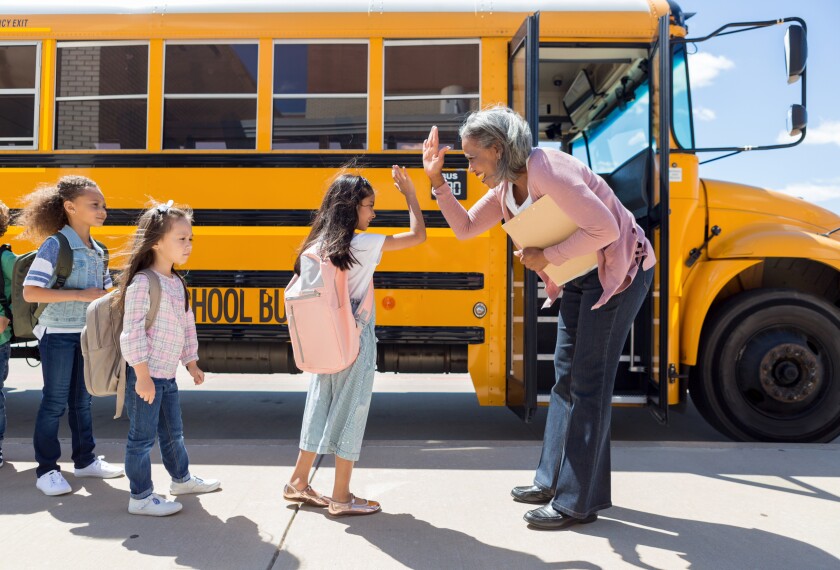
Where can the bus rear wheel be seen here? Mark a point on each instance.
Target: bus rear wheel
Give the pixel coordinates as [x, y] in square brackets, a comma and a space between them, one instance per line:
[769, 368]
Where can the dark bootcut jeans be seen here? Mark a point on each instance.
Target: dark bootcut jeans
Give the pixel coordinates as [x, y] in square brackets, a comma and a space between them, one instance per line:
[64, 387]
[159, 420]
[575, 460]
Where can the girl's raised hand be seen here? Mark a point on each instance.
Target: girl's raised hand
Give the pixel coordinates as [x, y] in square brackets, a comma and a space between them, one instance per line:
[433, 157]
[402, 181]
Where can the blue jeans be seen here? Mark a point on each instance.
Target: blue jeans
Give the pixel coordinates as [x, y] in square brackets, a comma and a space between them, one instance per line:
[162, 418]
[575, 460]
[64, 387]
[5, 353]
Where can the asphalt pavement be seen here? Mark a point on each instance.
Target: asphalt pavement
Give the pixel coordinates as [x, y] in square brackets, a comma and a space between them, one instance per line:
[442, 467]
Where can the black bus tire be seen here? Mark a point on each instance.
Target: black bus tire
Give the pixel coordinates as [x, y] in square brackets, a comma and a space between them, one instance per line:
[769, 368]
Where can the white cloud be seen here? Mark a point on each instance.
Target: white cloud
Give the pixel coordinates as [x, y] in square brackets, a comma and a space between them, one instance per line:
[704, 67]
[827, 132]
[816, 191]
[704, 114]
[637, 139]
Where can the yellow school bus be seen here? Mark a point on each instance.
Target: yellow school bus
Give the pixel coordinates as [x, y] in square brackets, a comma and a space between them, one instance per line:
[245, 110]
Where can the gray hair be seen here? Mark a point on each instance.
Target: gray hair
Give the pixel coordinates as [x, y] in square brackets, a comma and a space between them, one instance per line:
[503, 128]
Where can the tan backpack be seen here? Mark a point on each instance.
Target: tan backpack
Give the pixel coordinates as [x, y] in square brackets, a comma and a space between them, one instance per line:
[105, 367]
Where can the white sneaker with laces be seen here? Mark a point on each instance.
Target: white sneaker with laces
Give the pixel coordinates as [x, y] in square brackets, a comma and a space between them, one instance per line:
[53, 483]
[100, 469]
[194, 485]
[154, 506]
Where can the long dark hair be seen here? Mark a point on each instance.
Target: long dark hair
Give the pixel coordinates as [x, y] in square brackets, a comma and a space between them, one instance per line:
[153, 224]
[44, 213]
[336, 220]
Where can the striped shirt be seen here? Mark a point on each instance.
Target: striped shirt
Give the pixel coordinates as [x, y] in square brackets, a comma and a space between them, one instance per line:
[171, 338]
[43, 266]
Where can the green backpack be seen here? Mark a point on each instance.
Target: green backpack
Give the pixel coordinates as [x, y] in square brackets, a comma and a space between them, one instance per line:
[5, 302]
[25, 315]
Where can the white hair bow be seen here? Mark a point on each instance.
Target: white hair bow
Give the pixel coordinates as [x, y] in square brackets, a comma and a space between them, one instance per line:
[163, 208]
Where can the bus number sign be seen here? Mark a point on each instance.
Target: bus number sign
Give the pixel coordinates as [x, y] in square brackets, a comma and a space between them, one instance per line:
[457, 180]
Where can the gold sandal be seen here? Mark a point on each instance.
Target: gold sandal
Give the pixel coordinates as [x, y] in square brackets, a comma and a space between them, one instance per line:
[351, 507]
[308, 496]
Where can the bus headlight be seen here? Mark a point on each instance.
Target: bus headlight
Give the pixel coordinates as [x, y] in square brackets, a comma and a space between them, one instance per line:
[479, 310]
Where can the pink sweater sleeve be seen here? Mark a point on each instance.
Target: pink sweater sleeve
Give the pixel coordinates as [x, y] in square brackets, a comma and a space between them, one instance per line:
[597, 227]
[190, 351]
[484, 214]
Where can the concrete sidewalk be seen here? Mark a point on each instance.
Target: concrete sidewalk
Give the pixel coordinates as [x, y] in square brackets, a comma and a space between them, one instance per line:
[686, 505]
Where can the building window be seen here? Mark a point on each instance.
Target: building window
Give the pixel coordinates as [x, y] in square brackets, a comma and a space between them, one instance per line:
[210, 96]
[320, 95]
[429, 83]
[101, 95]
[19, 82]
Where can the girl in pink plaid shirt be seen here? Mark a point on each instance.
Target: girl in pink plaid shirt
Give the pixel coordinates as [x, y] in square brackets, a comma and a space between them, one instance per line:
[163, 239]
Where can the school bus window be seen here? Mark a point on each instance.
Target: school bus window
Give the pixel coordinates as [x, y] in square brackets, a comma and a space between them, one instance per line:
[683, 129]
[210, 96]
[18, 95]
[101, 95]
[320, 95]
[429, 83]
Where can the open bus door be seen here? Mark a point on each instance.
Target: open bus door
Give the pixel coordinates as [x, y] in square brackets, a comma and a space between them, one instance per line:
[523, 301]
[660, 374]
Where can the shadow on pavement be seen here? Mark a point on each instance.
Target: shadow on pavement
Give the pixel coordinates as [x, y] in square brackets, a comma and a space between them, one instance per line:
[399, 536]
[698, 542]
[193, 538]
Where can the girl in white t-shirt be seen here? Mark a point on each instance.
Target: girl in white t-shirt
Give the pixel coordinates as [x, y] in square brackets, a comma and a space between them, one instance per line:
[337, 404]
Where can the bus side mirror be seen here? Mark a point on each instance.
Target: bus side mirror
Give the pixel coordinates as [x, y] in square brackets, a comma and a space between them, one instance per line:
[796, 52]
[797, 119]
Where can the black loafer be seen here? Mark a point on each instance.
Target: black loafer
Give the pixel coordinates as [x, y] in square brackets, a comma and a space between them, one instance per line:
[531, 494]
[548, 518]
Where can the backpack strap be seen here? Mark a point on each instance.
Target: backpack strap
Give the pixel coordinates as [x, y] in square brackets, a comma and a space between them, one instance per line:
[4, 302]
[154, 295]
[63, 268]
[106, 257]
[64, 265]
[365, 309]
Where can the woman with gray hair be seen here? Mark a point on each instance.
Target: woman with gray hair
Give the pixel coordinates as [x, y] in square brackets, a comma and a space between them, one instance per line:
[596, 310]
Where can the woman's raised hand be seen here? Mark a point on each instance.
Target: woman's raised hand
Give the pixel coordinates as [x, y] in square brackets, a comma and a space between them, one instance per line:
[402, 181]
[433, 158]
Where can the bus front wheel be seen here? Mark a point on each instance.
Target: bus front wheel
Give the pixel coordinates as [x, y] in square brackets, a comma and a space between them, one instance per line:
[769, 368]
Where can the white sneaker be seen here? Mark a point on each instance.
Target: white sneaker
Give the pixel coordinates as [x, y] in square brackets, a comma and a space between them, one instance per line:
[194, 485]
[99, 468]
[154, 506]
[53, 483]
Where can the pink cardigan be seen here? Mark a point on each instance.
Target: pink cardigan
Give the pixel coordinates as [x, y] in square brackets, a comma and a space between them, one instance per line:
[605, 225]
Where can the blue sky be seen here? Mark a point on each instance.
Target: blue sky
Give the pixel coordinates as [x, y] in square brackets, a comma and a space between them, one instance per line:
[740, 96]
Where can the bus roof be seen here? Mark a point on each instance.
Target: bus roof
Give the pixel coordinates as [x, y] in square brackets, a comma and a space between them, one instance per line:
[58, 7]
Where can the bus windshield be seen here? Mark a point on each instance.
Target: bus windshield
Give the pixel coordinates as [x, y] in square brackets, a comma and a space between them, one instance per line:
[624, 133]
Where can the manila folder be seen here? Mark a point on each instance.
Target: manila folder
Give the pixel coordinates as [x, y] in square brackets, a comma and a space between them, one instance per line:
[544, 224]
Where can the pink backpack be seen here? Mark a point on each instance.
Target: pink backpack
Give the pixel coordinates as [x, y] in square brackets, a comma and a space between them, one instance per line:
[323, 328]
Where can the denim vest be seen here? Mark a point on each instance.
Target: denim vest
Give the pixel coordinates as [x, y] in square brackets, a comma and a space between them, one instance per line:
[88, 271]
